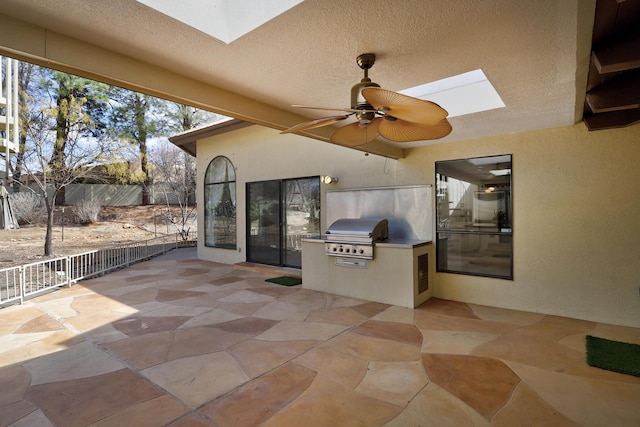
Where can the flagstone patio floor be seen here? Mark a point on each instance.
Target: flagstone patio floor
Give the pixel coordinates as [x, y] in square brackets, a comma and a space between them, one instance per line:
[175, 341]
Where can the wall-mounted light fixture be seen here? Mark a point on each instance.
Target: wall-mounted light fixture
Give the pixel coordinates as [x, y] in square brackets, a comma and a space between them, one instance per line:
[329, 179]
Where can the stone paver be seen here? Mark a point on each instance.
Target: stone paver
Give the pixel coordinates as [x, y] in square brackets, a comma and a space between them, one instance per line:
[180, 342]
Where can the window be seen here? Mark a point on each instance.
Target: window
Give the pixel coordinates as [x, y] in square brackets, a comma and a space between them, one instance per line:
[220, 204]
[474, 216]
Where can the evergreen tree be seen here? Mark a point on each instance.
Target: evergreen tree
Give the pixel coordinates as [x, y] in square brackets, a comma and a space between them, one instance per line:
[135, 118]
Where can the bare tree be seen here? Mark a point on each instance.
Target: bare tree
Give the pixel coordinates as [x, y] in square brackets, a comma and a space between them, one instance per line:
[174, 173]
[52, 167]
[65, 122]
[175, 170]
[79, 110]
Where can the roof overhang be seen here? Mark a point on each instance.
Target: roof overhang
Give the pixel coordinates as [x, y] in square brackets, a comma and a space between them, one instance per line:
[187, 140]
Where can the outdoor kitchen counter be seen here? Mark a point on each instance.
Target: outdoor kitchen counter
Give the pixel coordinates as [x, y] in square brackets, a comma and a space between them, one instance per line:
[402, 243]
[390, 243]
[399, 274]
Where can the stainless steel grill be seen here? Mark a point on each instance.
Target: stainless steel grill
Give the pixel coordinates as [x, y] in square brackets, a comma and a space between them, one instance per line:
[355, 237]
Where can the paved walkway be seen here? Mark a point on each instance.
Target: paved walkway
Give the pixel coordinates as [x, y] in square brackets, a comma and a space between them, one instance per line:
[181, 342]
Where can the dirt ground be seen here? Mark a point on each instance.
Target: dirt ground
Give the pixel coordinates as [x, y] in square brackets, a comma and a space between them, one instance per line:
[116, 225]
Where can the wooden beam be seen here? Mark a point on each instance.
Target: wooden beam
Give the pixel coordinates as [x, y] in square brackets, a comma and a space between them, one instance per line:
[622, 93]
[621, 54]
[616, 119]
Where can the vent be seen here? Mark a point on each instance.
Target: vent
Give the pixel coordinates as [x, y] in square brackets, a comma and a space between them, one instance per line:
[423, 273]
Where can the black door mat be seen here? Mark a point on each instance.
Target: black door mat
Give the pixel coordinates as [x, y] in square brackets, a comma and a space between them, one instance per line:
[285, 280]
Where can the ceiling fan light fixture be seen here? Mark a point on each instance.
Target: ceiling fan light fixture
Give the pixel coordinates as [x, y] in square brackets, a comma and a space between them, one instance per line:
[365, 117]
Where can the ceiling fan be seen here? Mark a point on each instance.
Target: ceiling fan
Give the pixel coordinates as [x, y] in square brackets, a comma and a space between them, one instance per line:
[381, 112]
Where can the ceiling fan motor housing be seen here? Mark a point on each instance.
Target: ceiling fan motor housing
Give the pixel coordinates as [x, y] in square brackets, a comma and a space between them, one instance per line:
[364, 61]
[357, 100]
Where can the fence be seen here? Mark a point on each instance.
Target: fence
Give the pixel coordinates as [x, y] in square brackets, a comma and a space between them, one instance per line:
[120, 195]
[29, 280]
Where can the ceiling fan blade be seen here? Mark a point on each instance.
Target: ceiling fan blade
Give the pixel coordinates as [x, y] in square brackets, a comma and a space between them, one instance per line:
[353, 134]
[348, 110]
[404, 131]
[314, 124]
[404, 107]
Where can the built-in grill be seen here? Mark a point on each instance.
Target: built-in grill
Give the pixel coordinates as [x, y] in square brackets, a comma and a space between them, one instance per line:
[355, 237]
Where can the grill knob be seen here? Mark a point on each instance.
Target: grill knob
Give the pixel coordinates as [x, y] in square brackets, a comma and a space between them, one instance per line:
[361, 251]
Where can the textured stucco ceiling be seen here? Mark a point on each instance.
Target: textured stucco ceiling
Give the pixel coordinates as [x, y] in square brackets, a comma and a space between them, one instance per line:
[535, 53]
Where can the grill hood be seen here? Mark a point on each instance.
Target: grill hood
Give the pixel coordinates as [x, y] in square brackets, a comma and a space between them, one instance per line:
[367, 230]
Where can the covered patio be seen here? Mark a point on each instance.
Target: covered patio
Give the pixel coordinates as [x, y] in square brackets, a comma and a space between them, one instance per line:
[184, 342]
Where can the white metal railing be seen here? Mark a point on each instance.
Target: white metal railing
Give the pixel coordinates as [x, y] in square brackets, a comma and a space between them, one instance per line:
[25, 281]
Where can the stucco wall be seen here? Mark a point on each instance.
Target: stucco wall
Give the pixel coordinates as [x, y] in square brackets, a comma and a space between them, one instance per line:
[576, 201]
[576, 198]
[260, 154]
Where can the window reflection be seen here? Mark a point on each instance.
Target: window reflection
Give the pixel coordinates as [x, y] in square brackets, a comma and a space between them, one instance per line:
[220, 204]
[473, 216]
[302, 216]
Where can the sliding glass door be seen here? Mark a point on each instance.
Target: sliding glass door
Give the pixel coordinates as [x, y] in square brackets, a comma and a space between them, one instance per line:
[280, 214]
[264, 244]
[301, 217]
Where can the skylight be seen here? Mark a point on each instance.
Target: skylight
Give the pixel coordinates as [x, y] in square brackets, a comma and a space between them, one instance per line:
[226, 20]
[462, 94]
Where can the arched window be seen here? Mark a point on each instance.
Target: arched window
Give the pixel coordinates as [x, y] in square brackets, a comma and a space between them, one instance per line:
[220, 204]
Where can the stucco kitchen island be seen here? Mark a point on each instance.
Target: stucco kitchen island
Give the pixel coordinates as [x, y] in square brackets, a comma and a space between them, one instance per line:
[399, 274]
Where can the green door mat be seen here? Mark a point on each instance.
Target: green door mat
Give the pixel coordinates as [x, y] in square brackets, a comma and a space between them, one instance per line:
[285, 280]
[613, 355]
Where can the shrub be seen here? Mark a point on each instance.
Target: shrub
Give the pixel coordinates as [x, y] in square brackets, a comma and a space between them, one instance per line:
[87, 211]
[27, 208]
